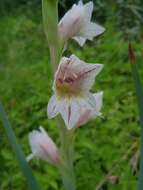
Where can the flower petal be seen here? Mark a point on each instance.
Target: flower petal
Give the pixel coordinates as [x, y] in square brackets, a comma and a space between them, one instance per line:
[80, 3]
[88, 7]
[70, 25]
[52, 108]
[99, 101]
[81, 41]
[86, 73]
[79, 75]
[89, 112]
[85, 111]
[92, 30]
[69, 110]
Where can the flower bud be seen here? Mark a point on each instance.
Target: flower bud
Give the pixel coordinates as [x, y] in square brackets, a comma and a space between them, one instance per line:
[43, 147]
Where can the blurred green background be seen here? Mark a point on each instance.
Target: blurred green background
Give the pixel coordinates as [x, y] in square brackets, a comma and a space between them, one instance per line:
[107, 145]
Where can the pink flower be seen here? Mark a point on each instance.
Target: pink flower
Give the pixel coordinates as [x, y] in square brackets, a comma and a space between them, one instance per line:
[43, 147]
[72, 98]
[77, 24]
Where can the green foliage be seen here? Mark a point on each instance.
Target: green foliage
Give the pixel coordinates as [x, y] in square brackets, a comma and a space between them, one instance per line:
[127, 14]
[25, 88]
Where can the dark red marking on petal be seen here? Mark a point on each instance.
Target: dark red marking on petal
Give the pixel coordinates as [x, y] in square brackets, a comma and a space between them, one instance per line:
[69, 113]
[69, 80]
[54, 107]
[76, 21]
[60, 80]
[82, 74]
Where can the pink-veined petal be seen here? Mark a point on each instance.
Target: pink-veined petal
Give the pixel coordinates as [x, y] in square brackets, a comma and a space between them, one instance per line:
[87, 75]
[78, 74]
[89, 112]
[85, 111]
[71, 23]
[69, 111]
[52, 108]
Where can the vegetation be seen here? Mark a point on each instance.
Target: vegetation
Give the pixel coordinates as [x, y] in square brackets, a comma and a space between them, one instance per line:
[108, 146]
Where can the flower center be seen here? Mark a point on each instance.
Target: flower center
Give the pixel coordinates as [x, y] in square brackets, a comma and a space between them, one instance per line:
[67, 87]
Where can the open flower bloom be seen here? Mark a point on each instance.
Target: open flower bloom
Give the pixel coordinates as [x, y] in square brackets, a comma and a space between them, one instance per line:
[43, 147]
[72, 98]
[76, 24]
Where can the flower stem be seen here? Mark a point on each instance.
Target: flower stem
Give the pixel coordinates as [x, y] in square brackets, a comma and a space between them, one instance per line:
[67, 151]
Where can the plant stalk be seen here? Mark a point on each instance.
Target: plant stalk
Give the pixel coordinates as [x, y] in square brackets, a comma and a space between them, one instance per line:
[67, 151]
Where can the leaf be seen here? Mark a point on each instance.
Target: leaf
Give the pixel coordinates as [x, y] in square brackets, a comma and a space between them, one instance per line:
[139, 94]
[18, 151]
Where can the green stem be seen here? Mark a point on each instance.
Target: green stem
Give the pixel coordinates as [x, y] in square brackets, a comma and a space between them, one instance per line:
[56, 46]
[67, 151]
[50, 22]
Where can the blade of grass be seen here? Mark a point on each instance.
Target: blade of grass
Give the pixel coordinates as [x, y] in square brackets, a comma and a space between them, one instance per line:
[139, 93]
[18, 151]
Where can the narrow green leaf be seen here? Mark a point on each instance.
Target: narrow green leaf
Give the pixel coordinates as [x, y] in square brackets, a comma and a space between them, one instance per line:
[139, 93]
[18, 151]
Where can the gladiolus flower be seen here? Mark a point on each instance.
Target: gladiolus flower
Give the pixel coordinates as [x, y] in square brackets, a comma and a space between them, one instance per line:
[72, 98]
[43, 147]
[76, 24]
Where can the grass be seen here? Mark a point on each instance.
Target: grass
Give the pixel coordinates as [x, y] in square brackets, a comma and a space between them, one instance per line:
[25, 88]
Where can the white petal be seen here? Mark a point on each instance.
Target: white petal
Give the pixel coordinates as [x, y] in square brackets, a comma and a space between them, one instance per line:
[90, 111]
[88, 74]
[69, 110]
[88, 10]
[91, 100]
[70, 24]
[34, 140]
[91, 30]
[85, 68]
[99, 101]
[85, 111]
[80, 3]
[52, 108]
[81, 41]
